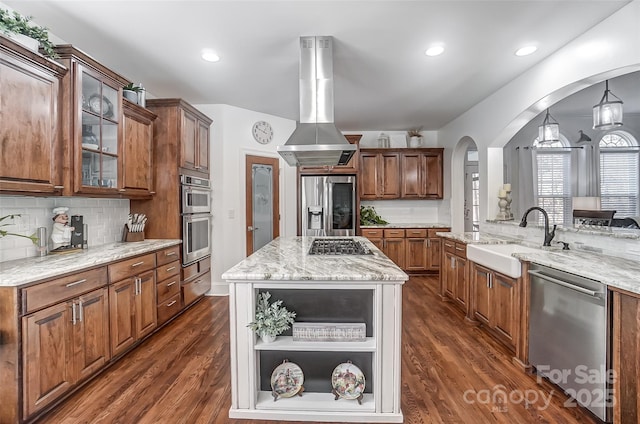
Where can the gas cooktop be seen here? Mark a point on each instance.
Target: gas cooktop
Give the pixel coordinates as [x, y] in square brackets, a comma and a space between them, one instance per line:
[334, 246]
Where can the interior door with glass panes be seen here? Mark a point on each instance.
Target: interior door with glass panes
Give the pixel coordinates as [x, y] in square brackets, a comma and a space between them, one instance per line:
[99, 132]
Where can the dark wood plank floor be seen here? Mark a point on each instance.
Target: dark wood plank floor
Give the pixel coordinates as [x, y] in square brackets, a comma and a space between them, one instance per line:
[451, 373]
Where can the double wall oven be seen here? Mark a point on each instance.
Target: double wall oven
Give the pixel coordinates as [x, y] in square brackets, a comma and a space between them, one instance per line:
[195, 198]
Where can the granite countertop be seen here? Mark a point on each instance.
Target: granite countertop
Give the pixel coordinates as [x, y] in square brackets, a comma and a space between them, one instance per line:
[475, 238]
[613, 271]
[24, 271]
[408, 225]
[287, 259]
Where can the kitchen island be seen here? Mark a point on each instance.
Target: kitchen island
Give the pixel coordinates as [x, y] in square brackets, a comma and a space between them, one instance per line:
[364, 288]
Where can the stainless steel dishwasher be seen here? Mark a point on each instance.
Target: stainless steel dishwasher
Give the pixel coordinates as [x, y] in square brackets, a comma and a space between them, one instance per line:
[569, 336]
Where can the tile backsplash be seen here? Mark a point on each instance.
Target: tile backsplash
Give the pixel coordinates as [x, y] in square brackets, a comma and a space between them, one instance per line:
[105, 219]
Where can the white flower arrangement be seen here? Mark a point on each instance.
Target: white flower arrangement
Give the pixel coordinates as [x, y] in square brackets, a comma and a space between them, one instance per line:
[271, 319]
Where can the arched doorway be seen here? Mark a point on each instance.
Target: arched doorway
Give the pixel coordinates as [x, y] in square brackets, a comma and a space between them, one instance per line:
[465, 186]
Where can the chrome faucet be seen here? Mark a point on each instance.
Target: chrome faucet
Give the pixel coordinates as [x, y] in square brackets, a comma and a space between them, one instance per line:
[548, 236]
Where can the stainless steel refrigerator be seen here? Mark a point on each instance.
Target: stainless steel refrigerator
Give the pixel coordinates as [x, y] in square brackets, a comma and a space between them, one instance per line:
[328, 205]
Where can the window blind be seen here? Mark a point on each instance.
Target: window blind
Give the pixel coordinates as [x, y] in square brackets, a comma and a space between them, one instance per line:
[619, 181]
[554, 185]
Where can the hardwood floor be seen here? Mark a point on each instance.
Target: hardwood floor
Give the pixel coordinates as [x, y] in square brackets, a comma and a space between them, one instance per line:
[451, 373]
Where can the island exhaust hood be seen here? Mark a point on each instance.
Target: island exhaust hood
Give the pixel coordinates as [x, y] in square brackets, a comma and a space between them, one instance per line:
[316, 141]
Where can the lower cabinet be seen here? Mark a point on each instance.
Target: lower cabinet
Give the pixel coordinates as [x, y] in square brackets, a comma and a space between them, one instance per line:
[62, 345]
[196, 281]
[495, 303]
[626, 357]
[454, 279]
[412, 249]
[132, 305]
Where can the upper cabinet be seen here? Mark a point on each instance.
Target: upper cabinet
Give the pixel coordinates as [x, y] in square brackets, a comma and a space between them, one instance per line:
[30, 143]
[91, 125]
[401, 173]
[137, 151]
[187, 126]
[350, 168]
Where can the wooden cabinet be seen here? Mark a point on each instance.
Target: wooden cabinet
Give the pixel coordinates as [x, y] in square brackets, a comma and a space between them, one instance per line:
[393, 245]
[454, 279]
[168, 285]
[422, 174]
[91, 125]
[350, 168]
[379, 174]
[137, 156]
[31, 159]
[65, 343]
[626, 357]
[495, 300]
[412, 249]
[401, 173]
[194, 139]
[196, 281]
[132, 301]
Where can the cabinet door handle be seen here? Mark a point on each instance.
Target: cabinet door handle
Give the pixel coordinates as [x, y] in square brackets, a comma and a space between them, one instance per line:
[428, 242]
[73, 313]
[453, 262]
[137, 286]
[137, 264]
[75, 283]
[490, 281]
[171, 268]
[80, 313]
[171, 284]
[171, 303]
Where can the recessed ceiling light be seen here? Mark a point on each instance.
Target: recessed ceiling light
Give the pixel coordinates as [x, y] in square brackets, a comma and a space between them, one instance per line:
[526, 50]
[434, 50]
[210, 56]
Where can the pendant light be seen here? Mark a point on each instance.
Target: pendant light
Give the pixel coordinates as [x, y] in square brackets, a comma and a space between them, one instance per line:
[549, 131]
[608, 113]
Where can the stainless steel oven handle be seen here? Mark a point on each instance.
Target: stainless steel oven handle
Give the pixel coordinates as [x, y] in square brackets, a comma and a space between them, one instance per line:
[579, 289]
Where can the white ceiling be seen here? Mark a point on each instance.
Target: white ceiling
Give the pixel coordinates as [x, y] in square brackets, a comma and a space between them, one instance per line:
[383, 80]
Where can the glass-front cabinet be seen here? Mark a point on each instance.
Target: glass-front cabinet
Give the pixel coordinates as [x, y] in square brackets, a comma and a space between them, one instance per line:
[99, 122]
[92, 125]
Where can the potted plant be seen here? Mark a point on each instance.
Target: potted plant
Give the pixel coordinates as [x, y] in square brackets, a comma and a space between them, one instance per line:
[414, 137]
[369, 216]
[14, 24]
[130, 92]
[271, 319]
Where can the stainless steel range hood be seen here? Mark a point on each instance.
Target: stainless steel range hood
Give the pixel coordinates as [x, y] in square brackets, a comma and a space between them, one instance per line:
[316, 141]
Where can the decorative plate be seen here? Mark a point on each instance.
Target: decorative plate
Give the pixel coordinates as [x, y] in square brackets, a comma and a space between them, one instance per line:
[348, 381]
[100, 104]
[286, 380]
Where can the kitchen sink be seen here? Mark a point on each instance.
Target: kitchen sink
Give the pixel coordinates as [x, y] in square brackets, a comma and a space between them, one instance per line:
[498, 257]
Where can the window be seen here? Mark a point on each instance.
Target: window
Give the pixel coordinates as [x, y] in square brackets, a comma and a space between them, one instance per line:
[619, 178]
[554, 181]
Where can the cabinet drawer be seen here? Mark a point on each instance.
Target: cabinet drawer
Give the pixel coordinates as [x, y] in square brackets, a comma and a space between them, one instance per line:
[192, 290]
[52, 292]
[372, 233]
[168, 288]
[169, 308]
[461, 250]
[449, 245]
[196, 269]
[433, 231]
[131, 267]
[394, 233]
[168, 255]
[416, 233]
[165, 271]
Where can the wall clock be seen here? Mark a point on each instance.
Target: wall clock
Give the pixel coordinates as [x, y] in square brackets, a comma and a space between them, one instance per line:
[262, 132]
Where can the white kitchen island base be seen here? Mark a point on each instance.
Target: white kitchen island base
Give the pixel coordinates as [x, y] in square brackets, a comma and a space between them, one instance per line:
[376, 301]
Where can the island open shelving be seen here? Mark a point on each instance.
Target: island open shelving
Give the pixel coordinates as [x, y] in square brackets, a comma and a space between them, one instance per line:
[361, 289]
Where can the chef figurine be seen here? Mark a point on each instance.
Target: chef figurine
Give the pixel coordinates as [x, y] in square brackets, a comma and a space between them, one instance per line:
[61, 233]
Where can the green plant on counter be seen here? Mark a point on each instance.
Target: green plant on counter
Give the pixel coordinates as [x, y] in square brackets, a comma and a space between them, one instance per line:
[17, 24]
[369, 216]
[271, 319]
[4, 233]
